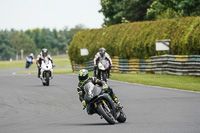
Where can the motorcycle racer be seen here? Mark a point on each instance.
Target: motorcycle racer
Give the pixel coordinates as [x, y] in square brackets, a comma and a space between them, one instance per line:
[102, 55]
[84, 78]
[29, 60]
[40, 57]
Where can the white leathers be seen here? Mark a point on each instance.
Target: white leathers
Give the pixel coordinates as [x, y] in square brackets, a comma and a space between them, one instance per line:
[105, 56]
[41, 57]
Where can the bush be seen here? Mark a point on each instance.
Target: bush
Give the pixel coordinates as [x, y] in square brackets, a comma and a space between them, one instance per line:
[137, 40]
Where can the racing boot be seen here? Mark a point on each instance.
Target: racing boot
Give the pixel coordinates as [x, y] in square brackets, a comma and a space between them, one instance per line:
[38, 73]
[116, 101]
[112, 94]
[95, 73]
[108, 73]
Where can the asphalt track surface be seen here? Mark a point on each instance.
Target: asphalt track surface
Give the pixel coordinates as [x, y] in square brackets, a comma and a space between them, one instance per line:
[26, 106]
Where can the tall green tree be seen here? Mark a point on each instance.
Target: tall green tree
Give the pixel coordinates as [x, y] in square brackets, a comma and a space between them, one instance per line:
[119, 11]
[6, 50]
[73, 31]
[173, 8]
[20, 41]
[40, 37]
[33, 40]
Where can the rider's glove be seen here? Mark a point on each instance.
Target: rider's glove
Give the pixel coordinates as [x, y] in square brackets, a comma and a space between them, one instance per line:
[38, 65]
[105, 87]
[84, 103]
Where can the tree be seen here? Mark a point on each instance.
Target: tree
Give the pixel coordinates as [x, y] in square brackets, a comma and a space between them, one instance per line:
[73, 31]
[118, 11]
[174, 8]
[135, 10]
[20, 40]
[6, 50]
[190, 7]
[33, 40]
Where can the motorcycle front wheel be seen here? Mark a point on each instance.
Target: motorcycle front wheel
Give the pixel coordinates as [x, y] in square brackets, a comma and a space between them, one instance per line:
[106, 115]
[47, 79]
[104, 76]
[122, 117]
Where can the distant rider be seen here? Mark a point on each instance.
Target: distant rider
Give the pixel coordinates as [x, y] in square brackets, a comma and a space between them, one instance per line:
[40, 57]
[102, 55]
[84, 78]
[32, 57]
[29, 60]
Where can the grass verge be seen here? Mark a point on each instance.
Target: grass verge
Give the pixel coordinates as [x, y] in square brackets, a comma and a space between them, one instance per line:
[60, 61]
[170, 81]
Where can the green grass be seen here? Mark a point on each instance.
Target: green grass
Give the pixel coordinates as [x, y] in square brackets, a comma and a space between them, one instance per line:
[60, 61]
[170, 81]
[12, 64]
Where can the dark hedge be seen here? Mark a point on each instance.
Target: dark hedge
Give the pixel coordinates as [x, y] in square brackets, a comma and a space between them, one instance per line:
[137, 40]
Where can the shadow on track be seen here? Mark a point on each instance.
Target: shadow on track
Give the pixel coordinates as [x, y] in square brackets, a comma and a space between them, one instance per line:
[84, 124]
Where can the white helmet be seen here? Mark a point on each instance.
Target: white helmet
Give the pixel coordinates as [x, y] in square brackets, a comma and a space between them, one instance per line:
[31, 54]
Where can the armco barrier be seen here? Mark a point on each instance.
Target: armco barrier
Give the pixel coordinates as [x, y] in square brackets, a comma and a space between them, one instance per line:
[115, 64]
[87, 65]
[119, 65]
[167, 64]
[176, 64]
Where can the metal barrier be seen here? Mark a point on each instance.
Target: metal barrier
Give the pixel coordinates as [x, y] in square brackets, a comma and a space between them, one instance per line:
[119, 65]
[167, 64]
[115, 64]
[176, 64]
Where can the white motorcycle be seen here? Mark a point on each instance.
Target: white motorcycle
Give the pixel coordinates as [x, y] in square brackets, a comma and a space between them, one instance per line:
[46, 71]
[103, 68]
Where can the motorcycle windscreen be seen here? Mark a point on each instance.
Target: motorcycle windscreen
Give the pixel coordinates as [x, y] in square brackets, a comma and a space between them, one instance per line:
[105, 63]
[89, 91]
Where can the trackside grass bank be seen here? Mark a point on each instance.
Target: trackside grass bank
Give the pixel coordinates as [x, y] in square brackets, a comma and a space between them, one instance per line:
[60, 61]
[170, 81]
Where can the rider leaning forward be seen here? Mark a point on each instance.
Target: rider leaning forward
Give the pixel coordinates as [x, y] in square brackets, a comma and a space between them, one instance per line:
[41, 57]
[84, 78]
[102, 55]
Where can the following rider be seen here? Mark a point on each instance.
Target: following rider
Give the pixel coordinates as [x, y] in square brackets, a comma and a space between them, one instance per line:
[84, 78]
[40, 57]
[102, 55]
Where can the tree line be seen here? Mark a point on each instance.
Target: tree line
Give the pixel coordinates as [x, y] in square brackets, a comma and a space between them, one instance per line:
[33, 40]
[122, 11]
